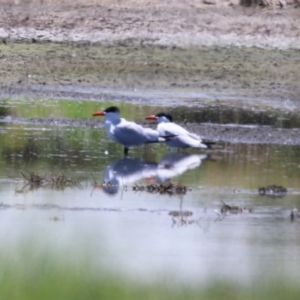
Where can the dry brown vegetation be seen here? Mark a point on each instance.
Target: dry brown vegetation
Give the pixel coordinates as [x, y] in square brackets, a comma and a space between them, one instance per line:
[273, 191]
[56, 180]
[126, 3]
[166, 188]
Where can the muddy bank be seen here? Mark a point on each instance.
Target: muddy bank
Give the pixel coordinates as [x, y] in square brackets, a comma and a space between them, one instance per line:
[213, 132]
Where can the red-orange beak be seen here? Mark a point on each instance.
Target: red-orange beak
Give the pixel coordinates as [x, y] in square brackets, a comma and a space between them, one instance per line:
[150, 180]
[151, 117]
[98, 113]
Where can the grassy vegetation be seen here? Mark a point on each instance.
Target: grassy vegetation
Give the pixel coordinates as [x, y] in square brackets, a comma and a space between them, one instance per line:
[49, 278]
[206, 69]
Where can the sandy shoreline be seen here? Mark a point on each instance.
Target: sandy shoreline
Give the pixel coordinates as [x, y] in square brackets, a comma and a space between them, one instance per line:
[163, 23]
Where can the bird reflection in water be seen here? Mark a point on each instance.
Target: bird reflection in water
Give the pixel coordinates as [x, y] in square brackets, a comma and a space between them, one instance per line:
[129, 170]
[126, 171]
[175, 164]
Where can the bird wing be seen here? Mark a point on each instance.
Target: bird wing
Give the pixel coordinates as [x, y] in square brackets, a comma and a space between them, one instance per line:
[185, 140]
[130, 127]
[132, 134]
[194, 136]
[151, 135]
[176, 130]
[129, 133]
[170, 129]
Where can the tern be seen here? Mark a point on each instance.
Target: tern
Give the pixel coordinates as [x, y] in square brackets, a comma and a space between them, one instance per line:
[182, 138]
[125, 132]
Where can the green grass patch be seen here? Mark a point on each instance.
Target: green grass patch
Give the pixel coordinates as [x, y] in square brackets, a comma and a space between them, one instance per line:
[45, 277]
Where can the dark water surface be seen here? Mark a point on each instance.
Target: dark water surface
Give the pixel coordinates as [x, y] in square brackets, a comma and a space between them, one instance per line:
[139, 233]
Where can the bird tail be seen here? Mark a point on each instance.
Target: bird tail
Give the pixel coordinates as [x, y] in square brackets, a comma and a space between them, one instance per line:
[208, 144]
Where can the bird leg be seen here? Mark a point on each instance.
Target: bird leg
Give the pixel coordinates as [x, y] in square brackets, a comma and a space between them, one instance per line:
[126, 151]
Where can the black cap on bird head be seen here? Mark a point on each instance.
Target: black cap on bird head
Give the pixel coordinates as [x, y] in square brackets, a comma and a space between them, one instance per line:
[112, 109]
[168, 116]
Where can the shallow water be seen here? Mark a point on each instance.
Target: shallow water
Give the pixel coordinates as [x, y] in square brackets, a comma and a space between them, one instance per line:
[132, 228]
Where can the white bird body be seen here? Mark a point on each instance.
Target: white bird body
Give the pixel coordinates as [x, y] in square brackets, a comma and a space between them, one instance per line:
[125, 132]
[181, 137]
[129, 133]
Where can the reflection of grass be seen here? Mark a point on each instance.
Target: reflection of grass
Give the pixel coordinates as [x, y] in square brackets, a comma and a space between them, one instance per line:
[81, 109]
[4, 108]
[48, 278]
